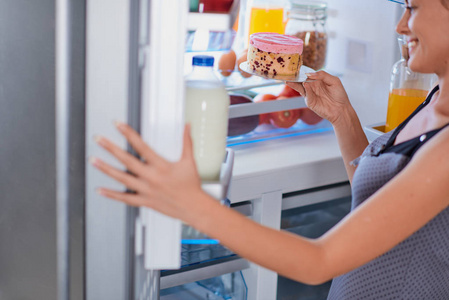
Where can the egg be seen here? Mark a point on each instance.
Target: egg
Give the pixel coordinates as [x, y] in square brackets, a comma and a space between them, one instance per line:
[226, 64]
[242, 58]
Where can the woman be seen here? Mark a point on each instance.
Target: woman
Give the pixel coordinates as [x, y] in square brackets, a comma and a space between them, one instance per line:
[395, 242]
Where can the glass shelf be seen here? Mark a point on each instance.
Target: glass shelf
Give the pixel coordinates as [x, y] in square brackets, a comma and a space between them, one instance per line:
[211, 31]
[267, 132]
[203, 40]
[236, 82]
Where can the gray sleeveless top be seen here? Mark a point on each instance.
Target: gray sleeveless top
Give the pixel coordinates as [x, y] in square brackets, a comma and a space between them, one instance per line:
[418, 267]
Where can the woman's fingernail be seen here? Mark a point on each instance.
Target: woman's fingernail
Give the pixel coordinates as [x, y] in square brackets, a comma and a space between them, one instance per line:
[94, 161]
[99, 140]
[100, 191]
[120, 126]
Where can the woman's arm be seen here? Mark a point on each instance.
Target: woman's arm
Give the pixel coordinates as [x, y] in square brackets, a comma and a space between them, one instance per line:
[401, 207]
[351, 139]
[326, 96]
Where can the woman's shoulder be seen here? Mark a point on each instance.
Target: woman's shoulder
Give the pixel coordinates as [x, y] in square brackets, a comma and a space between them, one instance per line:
[432, 159]
[438, 145]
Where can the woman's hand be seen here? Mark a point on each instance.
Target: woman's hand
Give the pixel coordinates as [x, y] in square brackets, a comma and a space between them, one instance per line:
[324, 94]
[168, 187]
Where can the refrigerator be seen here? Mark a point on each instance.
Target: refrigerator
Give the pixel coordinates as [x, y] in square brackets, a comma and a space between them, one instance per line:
[68, 71]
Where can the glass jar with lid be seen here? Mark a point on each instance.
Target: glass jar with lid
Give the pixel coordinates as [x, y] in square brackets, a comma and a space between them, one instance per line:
[307, 20]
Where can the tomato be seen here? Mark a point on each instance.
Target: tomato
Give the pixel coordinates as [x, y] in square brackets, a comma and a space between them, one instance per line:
[264, 118]
[286, 118]
[309, 117]
[288, 92]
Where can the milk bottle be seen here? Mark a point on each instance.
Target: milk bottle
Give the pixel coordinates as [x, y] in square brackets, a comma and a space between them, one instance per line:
[206, 109]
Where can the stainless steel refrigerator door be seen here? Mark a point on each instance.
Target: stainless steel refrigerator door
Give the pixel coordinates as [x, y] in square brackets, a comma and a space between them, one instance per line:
[28, 217]
[108, 233]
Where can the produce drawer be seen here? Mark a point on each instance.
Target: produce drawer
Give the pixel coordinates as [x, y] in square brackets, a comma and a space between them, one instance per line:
[265, 132]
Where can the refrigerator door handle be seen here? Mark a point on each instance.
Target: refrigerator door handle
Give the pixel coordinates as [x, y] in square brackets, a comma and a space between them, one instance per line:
[63, 55]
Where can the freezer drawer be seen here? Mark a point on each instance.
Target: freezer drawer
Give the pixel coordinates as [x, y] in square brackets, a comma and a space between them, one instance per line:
[227, 286]
[206, 260]
[209, 271]
[312, 220]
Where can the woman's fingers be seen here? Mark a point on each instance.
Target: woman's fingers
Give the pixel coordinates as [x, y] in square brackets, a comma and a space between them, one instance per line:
[125, 178]
[324, 77]
[127, 198]
[138, 144]
[309, 89]
[131, 162]
[297, 86]
[187, 149]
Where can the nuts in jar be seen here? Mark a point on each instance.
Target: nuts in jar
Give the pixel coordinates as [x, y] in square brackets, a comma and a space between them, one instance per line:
[307, 20]
[315, 48]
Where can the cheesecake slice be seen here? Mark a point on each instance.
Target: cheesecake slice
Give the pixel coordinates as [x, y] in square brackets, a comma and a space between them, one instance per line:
[273, 54]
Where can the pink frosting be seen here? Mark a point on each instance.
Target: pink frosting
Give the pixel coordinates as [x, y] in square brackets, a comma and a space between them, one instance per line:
[276, 43]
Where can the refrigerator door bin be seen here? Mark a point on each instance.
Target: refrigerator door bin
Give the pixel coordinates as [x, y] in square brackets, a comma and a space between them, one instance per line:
[218, 190]
[374, 131]
[310, 214]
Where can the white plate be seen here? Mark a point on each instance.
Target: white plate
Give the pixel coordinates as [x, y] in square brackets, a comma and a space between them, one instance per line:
[301, 77]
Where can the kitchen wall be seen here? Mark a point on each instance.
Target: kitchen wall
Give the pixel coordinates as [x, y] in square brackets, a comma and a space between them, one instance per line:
[362, 50]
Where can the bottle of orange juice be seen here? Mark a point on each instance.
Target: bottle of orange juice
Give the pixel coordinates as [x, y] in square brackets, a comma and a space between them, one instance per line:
[408, 89]
[265, 16]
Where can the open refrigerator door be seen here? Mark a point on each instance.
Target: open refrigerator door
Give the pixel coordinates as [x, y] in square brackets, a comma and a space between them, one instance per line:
[162, 120]
[160, 57]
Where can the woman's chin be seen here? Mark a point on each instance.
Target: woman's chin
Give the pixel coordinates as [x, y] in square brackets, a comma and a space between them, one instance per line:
[418, 66]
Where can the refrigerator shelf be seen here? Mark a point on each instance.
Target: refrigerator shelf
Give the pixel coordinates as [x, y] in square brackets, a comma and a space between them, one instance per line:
[267, 132]
[200, 271]
[235, 82]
